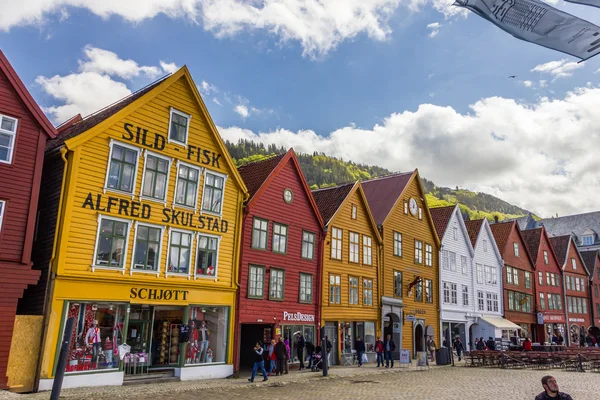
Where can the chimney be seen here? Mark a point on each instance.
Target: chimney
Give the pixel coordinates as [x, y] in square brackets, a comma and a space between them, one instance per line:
[496, 218]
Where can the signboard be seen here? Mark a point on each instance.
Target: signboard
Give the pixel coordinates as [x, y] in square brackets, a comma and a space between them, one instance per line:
[422, 359]
[411, 318]
[298, 317]
[540, 318]
[369, 329]
[396, 327]
[278, 331]
[554, 318]
[576, 320]
[404, 356]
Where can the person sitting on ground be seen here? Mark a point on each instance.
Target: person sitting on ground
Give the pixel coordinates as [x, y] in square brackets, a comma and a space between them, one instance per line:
[551, 390]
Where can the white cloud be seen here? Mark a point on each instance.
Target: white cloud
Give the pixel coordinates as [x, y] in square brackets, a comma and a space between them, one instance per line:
[207, 88]
[242, 110]
[527, 83]
[217, 102]
[543, 83]
[558, 69]
[169, 68]
[107, 62]
[435, 29]
[533, 155]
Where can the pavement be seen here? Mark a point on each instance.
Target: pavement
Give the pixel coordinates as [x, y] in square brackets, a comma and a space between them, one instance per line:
[367, 382]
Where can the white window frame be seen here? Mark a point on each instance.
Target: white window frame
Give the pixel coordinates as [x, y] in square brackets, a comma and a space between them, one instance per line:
[354, 211]
[543, 302]
[354, 247]
[200, 171]
[220, 175]
[192, 258]
[480, 273]
[516, 249]
[420, 213]
[165, 158]
[2, 211]
[455, 233]
[187, 130]
[136, 225]
[13, 138]
[125, 248]
[398, 249]
[488, 274]
[452, 261]
[428, 255]
[573, 264]
[465, 295]
[336, 243]
[495, 302]
[208, 235]
[308, 244]
[463, 264]
[546, 257]
[367, 250]
[112, 143]
[454, 293]
[480, 301]
[590, 242]
[541, 278]
[446, 292]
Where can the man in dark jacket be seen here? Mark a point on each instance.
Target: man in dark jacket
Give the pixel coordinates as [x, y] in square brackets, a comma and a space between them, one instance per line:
[551, 390]
[300, 350]
[359, 346]
[389, 347]
[480, 344]
[491, 344]
[328, 348]
[458, 346]
[259, 362]
[280, 354]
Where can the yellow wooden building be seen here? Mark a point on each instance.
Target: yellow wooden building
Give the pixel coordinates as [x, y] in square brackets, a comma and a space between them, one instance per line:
[409, 259]
[350, 261]
[147, 206]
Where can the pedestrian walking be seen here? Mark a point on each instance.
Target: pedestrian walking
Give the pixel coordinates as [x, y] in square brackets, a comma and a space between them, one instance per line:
[551, 390]
[459, 347]
[389, 348]
[359, 345]
[300, 350]
[272, 358]
[280, 355]
[328, 348]
[258, 363]
[431, 347]
[379, 352]
[287, 355]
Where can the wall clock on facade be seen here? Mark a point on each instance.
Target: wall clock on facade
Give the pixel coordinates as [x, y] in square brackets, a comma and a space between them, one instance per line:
[412, 205]
[288, 196]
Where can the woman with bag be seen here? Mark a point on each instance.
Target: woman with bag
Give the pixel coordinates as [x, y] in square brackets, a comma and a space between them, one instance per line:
[360, 350]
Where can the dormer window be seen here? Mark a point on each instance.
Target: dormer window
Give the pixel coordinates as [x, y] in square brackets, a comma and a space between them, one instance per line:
[588, 240]
[179, 125]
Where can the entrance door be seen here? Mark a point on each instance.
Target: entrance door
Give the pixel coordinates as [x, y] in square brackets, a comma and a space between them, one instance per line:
[418, 339]
[250, 335]
[138, 336]
[331, 333]
[392, 326]
[165, 336]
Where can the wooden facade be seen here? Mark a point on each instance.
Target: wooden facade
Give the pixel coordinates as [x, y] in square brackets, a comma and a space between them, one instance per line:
[592, 261]
[23, 133]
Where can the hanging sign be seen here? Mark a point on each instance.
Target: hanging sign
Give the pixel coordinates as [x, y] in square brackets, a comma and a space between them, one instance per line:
[396, 327]
[411, 318]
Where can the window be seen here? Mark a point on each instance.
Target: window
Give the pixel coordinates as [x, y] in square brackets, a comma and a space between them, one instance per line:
[180, 249]
[559, 302]
[156, 177]
[511, 300]
[543, 302]
[305, 288]
[494, 275]
[178, 127]
[495, 301]
[8, 132]
[488, 274]
[568, 281]
[465, 295]
[217, 319]
[334, 289]
[367, 292]
[428, 255]
[546, 257]
[548, 281]
[122, 168]
[2, 207]
[479, 270]
[452, 260]
[515, 276]
[418, 252]
[455, 233]
[256, 282]
[509, 275]
[186, 188]
[354, 247]
[527, 280]
[516, 249]
[353, 294]
[405, 207]
[260, 228]
[578, 285]
[279, 238]
[420, 213]
[212, 195]
[146, 255]
[573, 263]
[398, 243]
[597, 308]
[570, 304]
[308, 245]
[428, 290]
[206, 261]
[445, 262]
[419, 291]
[541, 278]
[588, 240]
[485, 246]
[276, 281]
[354, 211]
[453, 294]
[480, 302]
[463, 264]
[446, 286]
[111, 242]
[397, 284]
[336, 243]
[490, 303]
[367, 250]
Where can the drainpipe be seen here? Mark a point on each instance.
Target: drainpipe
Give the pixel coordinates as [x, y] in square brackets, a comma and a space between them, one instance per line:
[440, 293]
[567, 330]
[237, 330]
[380, 280]
[320, 279]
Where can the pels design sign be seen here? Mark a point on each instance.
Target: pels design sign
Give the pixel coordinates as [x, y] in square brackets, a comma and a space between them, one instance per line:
[298, 317]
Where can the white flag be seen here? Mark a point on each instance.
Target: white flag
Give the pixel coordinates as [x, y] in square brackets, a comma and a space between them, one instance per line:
[539, 23]
[593, 3]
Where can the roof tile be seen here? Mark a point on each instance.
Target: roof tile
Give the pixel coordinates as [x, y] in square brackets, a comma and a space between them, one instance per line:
[441, 216]
[532, 238]
[256, 173]
[589, 258]
[473, 228]
[382, 193]
[501, 232]
[560, 244]
[330, 199]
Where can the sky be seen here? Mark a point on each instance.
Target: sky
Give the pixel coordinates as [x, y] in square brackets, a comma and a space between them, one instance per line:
[402, 84]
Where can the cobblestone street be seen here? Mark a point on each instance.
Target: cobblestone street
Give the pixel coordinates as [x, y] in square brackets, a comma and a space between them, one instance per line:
[352, 383]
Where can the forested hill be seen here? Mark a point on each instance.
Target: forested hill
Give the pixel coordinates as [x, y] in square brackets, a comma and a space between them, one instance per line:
[324, 171]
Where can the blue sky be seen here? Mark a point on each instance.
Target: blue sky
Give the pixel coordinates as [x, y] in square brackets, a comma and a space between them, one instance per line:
[379, 91]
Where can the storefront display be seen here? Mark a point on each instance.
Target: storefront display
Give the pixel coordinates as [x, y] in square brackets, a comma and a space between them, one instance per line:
[353, 330]
[206, 334]
[293, 332]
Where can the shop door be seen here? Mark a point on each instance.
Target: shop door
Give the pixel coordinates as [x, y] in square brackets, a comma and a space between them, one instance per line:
[165, 336]
[331, 333]
[138, 336]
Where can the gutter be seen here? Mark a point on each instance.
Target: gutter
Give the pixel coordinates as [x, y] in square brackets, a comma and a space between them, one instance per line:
[567, 328]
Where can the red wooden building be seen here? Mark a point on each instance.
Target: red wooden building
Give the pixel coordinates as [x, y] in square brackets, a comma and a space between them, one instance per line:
[280, 265]
[549, 287]
[576, 283]
[518, 280]
[23, 132]
[592, 261]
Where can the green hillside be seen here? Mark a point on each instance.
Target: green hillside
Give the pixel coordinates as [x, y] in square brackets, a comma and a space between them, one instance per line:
[324, 171]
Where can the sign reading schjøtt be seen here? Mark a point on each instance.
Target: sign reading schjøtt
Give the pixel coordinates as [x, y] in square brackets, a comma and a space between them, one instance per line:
[298, 317]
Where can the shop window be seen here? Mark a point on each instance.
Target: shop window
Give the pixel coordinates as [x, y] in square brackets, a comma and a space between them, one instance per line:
[367, 250]
[367, 292]
[308, 245]
[207, 259]
[354, 247]
[397, 284]
[398, 244]
[111, 243]
[212, 195]
[463, 264]
[2, 207]
[122, 169]
[293, 332]
[516, 249]
[419, 253]
[180, 250]
[306, 288]
[479, 270]
[276, 283]
[8, 132]
[543, 302]
[146, 255]
[353, 294]
[354, 211]
[208, 332]
[96, 337]
[186, 187]
[428, 290]
[334, 289]
[178, 127]
[546, 257]
[429, 255]
[260, 228]
[336, 243]
[527, 280]
[256, 281]
[465, 295]
[419, 291]
[156, 177]
[480, 301]
[280, 233]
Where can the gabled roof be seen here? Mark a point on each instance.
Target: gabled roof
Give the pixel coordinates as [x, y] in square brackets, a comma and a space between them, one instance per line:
[257, 176]
[560, 244]
[589, 258]
[501, 232]
[441, 217]
[473, 228]
[330, 199]
[572, 224]
[533, 238]
[25, 96]
[383, 193]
